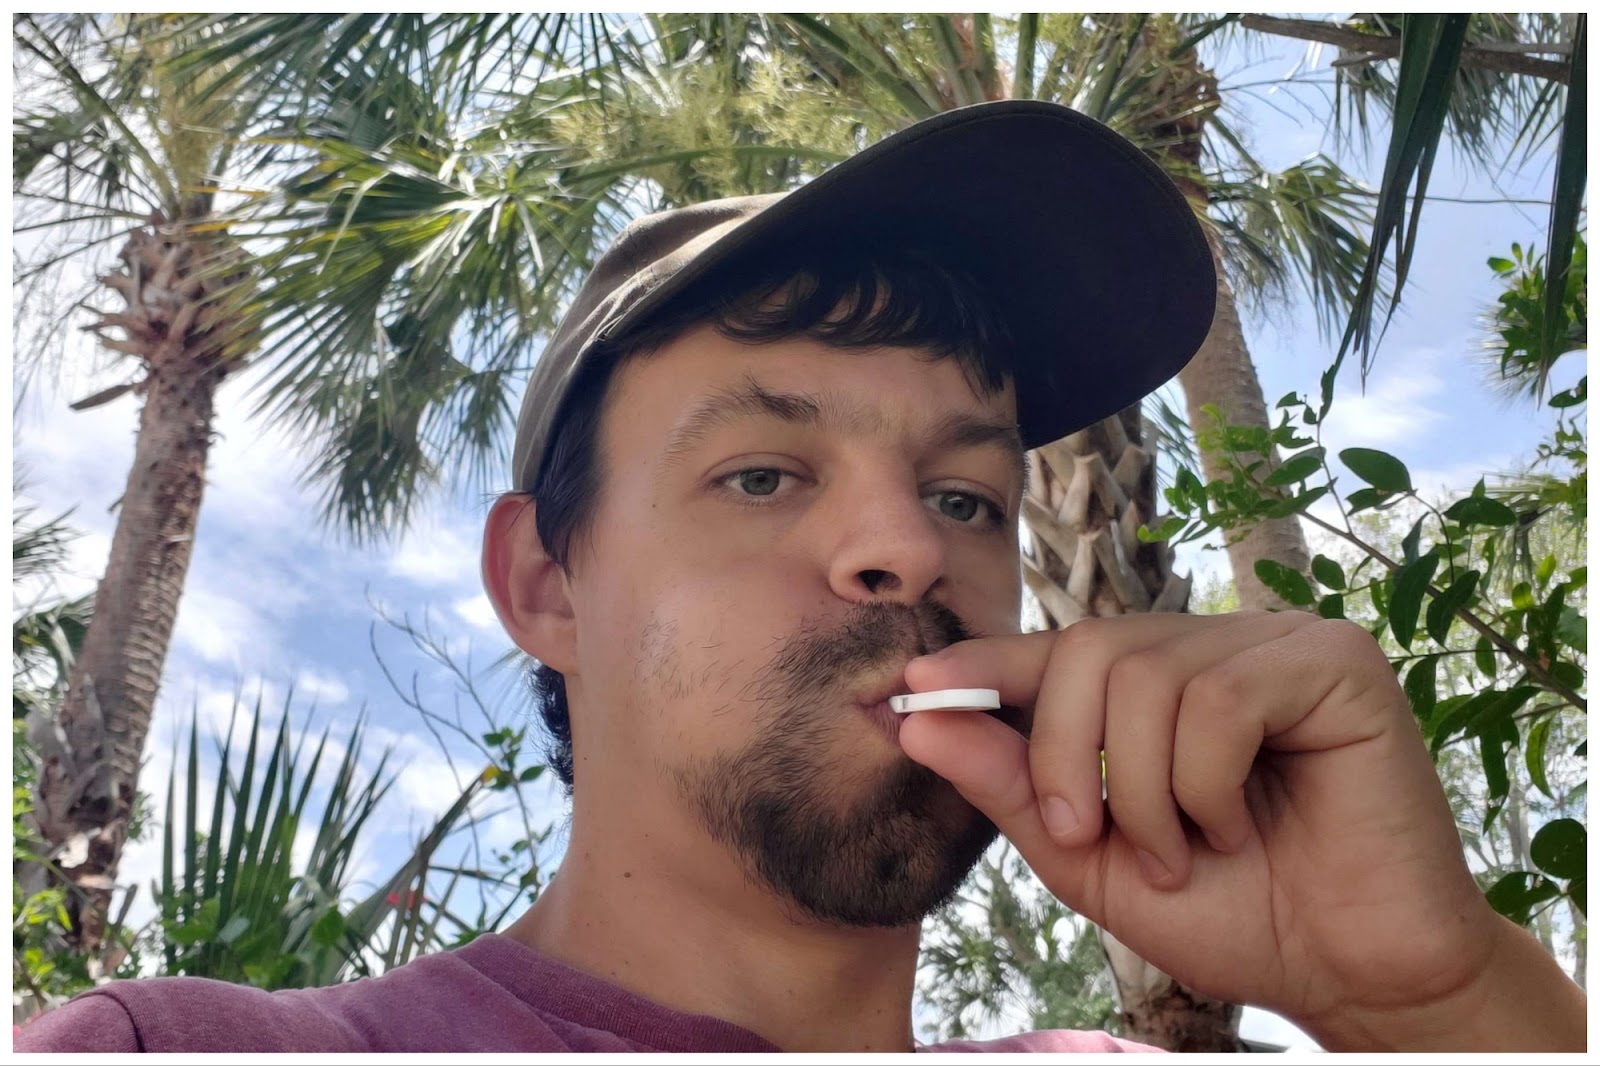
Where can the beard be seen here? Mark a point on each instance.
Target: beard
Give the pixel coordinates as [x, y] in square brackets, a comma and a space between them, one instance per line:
[906, 840]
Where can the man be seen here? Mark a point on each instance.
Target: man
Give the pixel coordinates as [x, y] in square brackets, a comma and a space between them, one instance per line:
[768, 476]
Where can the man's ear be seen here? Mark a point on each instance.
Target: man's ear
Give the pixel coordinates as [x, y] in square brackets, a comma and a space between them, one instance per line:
[528, 590]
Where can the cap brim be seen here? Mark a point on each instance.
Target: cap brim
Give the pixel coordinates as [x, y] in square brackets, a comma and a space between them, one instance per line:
[1093, 257]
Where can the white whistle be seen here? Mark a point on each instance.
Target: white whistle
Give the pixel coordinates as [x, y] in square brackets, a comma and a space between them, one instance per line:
[947, 699]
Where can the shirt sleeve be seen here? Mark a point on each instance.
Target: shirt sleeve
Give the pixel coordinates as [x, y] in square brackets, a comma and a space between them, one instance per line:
[92, 1022]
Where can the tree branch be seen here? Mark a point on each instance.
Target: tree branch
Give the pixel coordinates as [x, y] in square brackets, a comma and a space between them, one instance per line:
[1506, 647]
[1482, 57]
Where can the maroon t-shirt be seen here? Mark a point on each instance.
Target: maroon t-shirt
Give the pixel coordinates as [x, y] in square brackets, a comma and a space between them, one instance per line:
[494, 994]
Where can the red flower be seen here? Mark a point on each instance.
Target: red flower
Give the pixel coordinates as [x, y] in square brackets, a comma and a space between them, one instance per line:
[413, 898]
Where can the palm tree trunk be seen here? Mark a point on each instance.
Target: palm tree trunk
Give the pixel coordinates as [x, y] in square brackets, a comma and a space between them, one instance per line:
[1159, 1011]
[1222, 374]
[90, 769]
[1092, 492]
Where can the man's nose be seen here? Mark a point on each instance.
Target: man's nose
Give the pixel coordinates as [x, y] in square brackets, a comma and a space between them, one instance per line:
[887, 546]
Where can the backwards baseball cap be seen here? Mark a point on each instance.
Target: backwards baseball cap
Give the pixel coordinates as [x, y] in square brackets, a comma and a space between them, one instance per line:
[1092, 258]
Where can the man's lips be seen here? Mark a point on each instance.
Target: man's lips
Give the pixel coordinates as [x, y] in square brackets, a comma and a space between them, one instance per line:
[874, 703]
[883, 718]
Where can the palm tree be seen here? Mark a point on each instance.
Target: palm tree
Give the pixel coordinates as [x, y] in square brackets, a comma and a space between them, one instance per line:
[110, 147]
[383, 262]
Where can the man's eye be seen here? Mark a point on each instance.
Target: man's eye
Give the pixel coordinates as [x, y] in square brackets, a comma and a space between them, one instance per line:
[965, 506]
[758, 482]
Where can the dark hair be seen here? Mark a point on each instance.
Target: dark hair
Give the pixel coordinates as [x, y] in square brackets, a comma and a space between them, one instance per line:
[896, 294]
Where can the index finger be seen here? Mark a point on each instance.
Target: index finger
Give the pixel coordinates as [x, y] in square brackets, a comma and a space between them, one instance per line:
[1014, 663]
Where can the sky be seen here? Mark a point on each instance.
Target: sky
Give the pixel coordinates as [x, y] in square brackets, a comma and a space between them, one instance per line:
[276, 602]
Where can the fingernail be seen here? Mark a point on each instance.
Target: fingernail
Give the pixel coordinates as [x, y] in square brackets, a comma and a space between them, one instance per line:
[1059, 817]
[1225, 845]
[1154, 869]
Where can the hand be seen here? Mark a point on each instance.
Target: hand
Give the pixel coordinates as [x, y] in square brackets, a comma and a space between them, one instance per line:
[1273, 831]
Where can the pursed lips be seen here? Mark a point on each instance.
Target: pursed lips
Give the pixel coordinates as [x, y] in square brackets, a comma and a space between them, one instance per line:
[875, 704]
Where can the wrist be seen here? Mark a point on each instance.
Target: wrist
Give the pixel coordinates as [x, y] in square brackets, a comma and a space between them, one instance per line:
[1519, 999]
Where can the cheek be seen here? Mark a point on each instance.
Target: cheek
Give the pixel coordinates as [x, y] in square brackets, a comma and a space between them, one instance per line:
[985, 589]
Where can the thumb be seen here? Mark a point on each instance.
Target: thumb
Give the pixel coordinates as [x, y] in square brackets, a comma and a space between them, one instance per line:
[987, 762]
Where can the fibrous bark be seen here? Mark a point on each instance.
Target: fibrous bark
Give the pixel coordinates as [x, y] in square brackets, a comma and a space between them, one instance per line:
[175, 321]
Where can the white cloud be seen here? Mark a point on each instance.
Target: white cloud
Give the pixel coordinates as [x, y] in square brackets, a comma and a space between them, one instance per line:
[324, 689]
[1394, 407]
[435, 555]
[478, 612]
[1457, 479]
[254, 469]
[220, 628]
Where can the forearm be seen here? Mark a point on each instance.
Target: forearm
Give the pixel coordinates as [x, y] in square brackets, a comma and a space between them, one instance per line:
[1522, 1002]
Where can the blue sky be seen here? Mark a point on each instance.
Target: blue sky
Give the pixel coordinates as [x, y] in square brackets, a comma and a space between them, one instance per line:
[274, 600]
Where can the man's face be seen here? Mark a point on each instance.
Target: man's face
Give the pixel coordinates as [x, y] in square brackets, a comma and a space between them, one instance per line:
[780, 529]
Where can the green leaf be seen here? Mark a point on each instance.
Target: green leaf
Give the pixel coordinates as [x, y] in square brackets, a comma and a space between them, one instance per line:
[1165, 531]
[1288, 583]
[1517, 893]
[1422, 686]
[1573, 630]
[1481, 511]
[1331, 606]
[1533, 755]
[1296, 504]
[1522, 596]
[1547, 568]
[1483, 657]
[1410, 583]
[1380, 591]
[1329, 572]
[1454, 715]
[1497, 711]
[1365, 499]
[1379, 469]
[1561, 848]
[532, 773]
[326, 931]
[1500, 265]
[1572, 397]
[1297, 468]
[1410, 544]
[1578, 892]
[1569, 674]
[1492, 752]
[1442, 609]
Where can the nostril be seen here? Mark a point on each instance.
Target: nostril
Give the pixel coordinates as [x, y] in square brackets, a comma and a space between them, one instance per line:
[879, 581]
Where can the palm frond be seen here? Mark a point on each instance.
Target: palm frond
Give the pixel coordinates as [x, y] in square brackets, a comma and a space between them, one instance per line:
[1305, 223]
[1566, 202]
[1429, 58]
[237, 904]
[1429, 93]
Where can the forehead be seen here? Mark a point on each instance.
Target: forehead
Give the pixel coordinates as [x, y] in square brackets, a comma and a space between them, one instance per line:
[704, 381]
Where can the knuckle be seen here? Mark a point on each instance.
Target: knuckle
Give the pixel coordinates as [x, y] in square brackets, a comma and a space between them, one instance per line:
[1193, 794]
[1146, 669]
[1131, 808]
[1219, 688]
[1343, 635]
[1088, 638]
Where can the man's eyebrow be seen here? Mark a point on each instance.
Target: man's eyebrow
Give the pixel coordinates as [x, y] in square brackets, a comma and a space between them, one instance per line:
[749, 399]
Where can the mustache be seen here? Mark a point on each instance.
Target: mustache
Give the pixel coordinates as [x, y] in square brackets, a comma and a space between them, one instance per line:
[871, 635]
